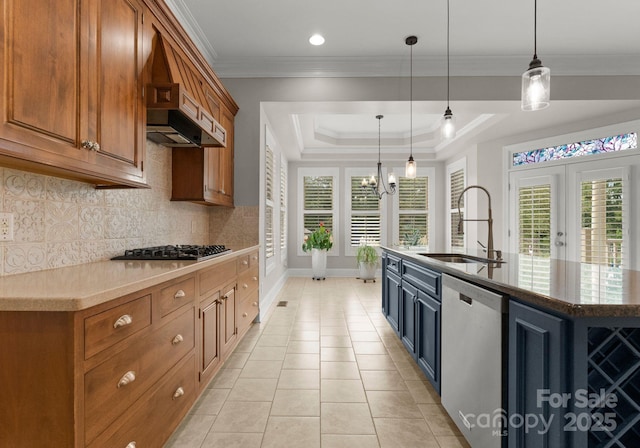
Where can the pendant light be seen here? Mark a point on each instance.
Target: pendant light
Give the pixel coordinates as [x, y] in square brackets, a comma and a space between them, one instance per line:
[377, 187]
[448, 125]
[537, 79]
[411, 166]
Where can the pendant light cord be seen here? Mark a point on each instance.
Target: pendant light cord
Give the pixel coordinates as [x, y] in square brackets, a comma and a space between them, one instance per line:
[535, 29]
[448, 54]
[411, 101]
[379, 120]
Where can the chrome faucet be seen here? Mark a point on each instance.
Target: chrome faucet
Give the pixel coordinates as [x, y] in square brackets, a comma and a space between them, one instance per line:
[491, 253]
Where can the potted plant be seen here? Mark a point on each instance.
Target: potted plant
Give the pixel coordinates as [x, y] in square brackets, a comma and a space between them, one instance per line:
[367, 259]
[318, 242]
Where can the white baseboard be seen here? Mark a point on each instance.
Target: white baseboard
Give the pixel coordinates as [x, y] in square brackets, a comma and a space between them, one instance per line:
[330, 273]
[268, 298]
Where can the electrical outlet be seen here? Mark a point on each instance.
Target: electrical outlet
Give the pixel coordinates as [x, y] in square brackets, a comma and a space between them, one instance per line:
[6, 226]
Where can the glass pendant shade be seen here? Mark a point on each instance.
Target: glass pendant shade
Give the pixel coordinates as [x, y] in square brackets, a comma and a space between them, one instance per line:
[448, 125]
[536, 86]
[410, 168]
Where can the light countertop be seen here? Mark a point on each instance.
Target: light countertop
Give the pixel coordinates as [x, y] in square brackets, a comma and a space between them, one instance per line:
[83, 286]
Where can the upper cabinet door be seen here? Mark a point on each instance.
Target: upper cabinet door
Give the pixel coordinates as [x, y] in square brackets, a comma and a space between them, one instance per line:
[71, 89]
[115, 86]
[41, 82]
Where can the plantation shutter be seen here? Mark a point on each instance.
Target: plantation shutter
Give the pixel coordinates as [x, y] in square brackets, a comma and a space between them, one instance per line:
[365, 215]
[283, 204]
[534, 237]
[535, 220]
[318, 202]
[602, 222]
[268, 214]
[456, 185]
[413, 210]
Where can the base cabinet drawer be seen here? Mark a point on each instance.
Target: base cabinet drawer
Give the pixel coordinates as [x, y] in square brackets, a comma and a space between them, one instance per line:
[107, 328]
[150, 421]
[111, 387]
[247, 282]
[247, 311]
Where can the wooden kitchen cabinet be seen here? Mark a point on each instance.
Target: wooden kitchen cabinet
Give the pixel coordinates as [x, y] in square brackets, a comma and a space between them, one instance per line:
[228, 327]
[209, 316]
[76, 376]
[205, 175]
[71, 89]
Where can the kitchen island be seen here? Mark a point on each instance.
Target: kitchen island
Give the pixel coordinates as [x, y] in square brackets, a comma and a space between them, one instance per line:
[115, 353]
[571, 370]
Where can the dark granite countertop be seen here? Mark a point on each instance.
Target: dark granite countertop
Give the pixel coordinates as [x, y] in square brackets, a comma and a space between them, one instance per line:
[575, 289]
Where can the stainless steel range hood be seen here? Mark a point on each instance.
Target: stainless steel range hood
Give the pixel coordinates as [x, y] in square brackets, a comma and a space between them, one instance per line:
[177, 111]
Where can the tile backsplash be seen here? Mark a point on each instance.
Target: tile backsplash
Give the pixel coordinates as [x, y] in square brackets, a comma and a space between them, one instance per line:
[59, 222]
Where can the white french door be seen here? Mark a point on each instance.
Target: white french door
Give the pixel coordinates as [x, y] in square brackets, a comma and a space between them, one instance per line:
[577, 212]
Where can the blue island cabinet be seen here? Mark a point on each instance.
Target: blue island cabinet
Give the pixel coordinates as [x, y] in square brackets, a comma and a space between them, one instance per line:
[411, 302]
[391, 286]
[538, 367]
[582, 374]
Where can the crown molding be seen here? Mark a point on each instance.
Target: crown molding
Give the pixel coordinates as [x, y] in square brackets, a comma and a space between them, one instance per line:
[190, 25]
[514, 65]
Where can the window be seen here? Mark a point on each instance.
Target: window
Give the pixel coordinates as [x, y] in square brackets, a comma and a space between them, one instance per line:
[412, 220]
[318, 201]
[456, 183]
[601, 222]
[283, 206]
[588, 147]
[534, 237]
[364, 212]
[269, 205]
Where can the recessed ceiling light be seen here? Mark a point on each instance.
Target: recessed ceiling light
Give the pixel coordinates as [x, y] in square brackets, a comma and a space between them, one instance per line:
[316, 39]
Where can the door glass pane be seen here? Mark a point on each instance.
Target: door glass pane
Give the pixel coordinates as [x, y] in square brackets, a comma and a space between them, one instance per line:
[601, 239]
[534, 237]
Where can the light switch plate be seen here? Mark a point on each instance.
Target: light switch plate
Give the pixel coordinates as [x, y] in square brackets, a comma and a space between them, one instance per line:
[6, 226]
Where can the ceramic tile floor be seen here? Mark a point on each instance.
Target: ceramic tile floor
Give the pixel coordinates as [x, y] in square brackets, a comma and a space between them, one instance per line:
[324, 371]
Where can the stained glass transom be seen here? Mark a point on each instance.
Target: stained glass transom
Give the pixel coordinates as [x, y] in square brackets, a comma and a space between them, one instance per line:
[588, 147]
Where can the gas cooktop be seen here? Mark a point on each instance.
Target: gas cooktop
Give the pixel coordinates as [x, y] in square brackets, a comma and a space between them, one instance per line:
[179, 252]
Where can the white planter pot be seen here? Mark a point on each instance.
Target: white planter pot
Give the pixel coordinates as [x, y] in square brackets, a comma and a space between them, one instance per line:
[368, 271]
[319, 263]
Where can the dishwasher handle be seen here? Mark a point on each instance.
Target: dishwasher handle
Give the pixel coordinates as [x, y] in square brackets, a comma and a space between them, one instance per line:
[466, 299]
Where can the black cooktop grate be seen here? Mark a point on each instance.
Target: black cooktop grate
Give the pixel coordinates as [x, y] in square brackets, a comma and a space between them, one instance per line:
[178, 252]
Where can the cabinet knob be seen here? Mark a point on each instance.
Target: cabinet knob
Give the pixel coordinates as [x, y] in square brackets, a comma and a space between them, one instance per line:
[245, 286]
[254, 258]
[127, 378]
[131, 445]
[255, 279]
[245, 262]
[123, 321]
[178, 339]
[91, 146]
[244, 314]
[179, 294]
[178, 393]
[222, 191]
[255, 304]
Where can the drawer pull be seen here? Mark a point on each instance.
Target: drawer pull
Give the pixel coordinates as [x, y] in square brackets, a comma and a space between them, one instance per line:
[255, 279]
[245, 286]
[245, 262]
[123, 321]
[254, 258]
[131, 445]
[178, 339]
[178, 393]
[127, 378]
[255, 303]
[244, 314]
[179, 294]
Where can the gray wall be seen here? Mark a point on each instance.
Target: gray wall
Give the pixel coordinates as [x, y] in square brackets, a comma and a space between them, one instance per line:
[250, 92]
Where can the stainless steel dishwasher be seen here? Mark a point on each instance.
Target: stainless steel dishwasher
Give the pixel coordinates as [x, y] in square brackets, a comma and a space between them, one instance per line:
[474, 327]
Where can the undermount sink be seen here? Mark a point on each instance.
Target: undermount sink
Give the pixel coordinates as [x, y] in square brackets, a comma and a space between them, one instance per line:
[459, 258]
